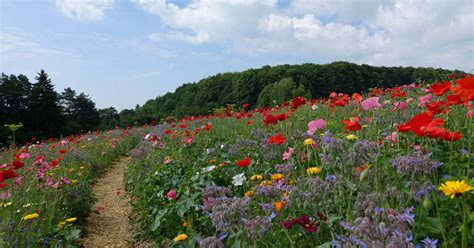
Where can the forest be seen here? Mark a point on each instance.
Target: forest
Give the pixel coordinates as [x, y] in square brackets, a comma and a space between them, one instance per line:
[45, 113]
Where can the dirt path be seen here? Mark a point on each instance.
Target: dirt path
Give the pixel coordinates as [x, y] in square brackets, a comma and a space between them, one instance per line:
[108, 224]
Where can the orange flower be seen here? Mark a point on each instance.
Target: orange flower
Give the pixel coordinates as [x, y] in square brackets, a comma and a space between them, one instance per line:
[278, 205]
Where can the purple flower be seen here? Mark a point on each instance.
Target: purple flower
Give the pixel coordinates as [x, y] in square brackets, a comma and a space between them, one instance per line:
[429, 243]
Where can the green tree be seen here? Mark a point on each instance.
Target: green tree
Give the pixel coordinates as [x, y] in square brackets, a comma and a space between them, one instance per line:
[44, 108]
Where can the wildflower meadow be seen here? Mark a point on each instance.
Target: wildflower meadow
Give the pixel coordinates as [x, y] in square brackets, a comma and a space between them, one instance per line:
[392, 167]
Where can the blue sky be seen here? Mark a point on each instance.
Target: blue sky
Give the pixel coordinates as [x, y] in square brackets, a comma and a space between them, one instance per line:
[123, 53]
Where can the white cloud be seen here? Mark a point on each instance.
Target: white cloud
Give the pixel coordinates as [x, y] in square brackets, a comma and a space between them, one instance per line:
[20, 44]
[84, 10]
[437, 33]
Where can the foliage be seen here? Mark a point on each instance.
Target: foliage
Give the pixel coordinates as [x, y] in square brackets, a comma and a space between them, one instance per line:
[383, 169]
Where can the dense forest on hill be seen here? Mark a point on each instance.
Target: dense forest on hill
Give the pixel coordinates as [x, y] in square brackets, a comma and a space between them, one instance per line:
[46, 113]
[260, 87]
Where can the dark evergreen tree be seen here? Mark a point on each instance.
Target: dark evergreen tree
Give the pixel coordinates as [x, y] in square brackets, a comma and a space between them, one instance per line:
[44, 108]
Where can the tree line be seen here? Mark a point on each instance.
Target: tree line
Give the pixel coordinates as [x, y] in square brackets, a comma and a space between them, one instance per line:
[46, 113]
[269, 84]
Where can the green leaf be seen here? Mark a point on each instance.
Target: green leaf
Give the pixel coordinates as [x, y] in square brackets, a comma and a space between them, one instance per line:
[158, 218]
[433, 225]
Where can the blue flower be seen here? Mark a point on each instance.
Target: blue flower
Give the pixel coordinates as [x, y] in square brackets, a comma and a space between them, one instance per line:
[429, 243]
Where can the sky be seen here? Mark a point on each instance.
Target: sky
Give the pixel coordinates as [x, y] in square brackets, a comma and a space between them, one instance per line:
[124, 52]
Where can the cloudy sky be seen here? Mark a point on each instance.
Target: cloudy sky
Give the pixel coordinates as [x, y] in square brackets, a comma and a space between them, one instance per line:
[124, 52]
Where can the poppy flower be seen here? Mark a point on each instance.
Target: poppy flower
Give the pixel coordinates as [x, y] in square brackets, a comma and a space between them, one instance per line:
[269, 119]
[352, 125]
[440, 89]
[62, 151]
[171, 194]
[288, 224]
[424, 99]
[8, 174]
[454, 100]
[465, 88]
[297, 102]
[452, 136]
[371, 103]
[280, 117]
[243, 162]
[246, 105]
[277, 139]
[17, 164]
[315, 125]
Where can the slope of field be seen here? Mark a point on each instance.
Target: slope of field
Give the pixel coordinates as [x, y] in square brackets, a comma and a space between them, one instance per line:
[392, 168]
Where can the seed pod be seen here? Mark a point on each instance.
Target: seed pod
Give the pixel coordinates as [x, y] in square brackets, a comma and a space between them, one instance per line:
[364, 174]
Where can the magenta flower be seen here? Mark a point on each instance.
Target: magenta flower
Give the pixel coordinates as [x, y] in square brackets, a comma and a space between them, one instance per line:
[19, 181]
[371, 103]
[24, 156]
[315, 125]
[424, 99]
[171, 194]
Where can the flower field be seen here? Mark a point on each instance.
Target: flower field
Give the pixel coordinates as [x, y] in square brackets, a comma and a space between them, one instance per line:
[46, 188]
[391, 168]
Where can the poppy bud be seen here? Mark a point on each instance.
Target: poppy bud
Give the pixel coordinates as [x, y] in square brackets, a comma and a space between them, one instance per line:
[364, 174]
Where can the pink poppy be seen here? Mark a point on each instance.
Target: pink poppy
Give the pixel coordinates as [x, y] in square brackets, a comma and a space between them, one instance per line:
[424, 99]
[371, 103]
[315, 125]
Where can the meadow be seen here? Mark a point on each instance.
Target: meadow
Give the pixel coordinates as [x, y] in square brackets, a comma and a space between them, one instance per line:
[390, 168]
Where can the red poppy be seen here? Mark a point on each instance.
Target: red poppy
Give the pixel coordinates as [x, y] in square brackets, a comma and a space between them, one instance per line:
[397, 92]
[244, 162]
[62, 151]
[452, 136]
[8, 174]
[182, 125]
[465, 88]
[454, 100]
[269, 119]
[167, 131]
[424, 125]
[278, 139]
[280, 117]
[246, 105]
[297, 102]
[356, 97]
[207, 127]
[440, 89]
[17, 164]
[352, 125]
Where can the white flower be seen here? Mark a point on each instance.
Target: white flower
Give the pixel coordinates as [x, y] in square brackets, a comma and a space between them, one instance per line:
[238, 179]
[222, 146]
[314, 107]
[147, 136]
[209, 168]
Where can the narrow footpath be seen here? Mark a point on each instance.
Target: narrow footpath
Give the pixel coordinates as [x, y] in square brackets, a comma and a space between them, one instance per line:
[108, 224]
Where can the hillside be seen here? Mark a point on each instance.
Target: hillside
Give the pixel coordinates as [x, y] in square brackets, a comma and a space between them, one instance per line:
[259, 87]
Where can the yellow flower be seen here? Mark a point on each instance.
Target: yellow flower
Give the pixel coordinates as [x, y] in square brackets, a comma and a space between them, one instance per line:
[277, 176]
[249, 193]
[71, 219]
[61, 224]
[73, 181]
[185, 223]
[181, 237]
[309, 142]
[278, 205]
[266, 183]
[451, 188]
[256, 177]
[27, 205]
[313, 170]
[6, 204]
[351, 137]
[212, 161]
[31, 216]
